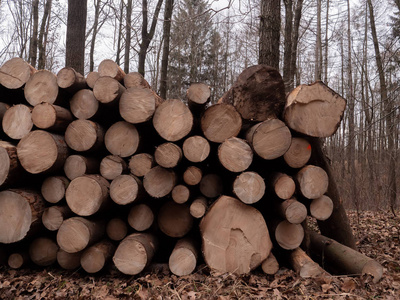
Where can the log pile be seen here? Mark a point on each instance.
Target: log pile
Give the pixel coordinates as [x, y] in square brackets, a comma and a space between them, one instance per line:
[101, 170]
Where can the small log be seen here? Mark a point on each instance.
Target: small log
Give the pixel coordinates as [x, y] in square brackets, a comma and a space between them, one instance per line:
[140, 164]
[135, 79]
[196, 148]
[135, 253]
[14, 73]
[159, 182]
[77, 233]
[257, 94]
[51, 117]
[138, 104]
[289, 236]
[17, 121]
[304, 265]
[84, 135]
[314, 110]
[20, 214]
[235, 237]
[293, 211]
[198, 207]
[125, 189]
[18, 259]
[54, 216]
[321, 208]
[192, 175]
[343, 259]
[122, 139]
[70, 80]
[116, 229]
[112, 166]
[42, 87]
[10, 167]
[43, 251]
[180, 194]
[283, 185]
[53, 188]
[69, 261]
[249, 187]
[78, 165]
[108, 90]
[270, 139]
[211, 186]
[91, 78]
[198, 95]
[110, 68]
[140, 217]
[88, 194]
[298, 154]
[270, 265]
[94, 258]
[84, 104]
[313, 181]
[220, 122]
[235, 154]
[168, 155]
[173, 120]
[183, 259]
[175, 219]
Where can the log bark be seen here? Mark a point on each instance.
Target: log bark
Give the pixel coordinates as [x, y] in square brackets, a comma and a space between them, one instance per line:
[270, 139]
[10, 168]
[110, 68]
[78, 165]
[108, 90]
[314, 110]
[14, 73]
[126, 189]
[235, 154]
[175, 219]
[289, 236]
[180, 194]
[173, 120]
[135, 79]
[20, 214]
[116, 229]
[17, 121]
[88, 194]
[42, 87]
[293, 211]
[54, 216]
[283, 186]
[53, 188]
[312, 181]
[84, 104]
[141, 217]
[257, 94]
[321, 208]
[298, 154]
[84, 135]
[140, 164]
[270, 265]
[220, 122]
[69, 261]
[122, 139]
[159, 182]
[77, 233]
[192, 175]
[305, 266]
[249, 187]
[343, 259]
[95, 257]
[196, 148]
[168, 155]
[51, 117]
[70, 80]
[235, 236]
[43, 251]
[112, 166]
[198, 207]
[211, 186]
[91, 78]
[183, 259]
[135, 252]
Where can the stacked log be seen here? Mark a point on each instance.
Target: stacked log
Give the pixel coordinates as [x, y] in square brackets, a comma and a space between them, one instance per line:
[117, 170]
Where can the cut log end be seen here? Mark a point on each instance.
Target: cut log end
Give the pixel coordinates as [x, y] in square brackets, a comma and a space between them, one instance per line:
[249, 187]
[235, 154]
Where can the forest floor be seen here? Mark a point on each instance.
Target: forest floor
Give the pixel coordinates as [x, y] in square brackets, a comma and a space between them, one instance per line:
[378, 235]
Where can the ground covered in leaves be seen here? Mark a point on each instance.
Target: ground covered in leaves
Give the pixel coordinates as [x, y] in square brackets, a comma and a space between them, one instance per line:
[378, 235]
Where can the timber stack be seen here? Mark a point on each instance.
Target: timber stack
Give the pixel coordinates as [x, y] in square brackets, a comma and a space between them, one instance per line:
[99, 170]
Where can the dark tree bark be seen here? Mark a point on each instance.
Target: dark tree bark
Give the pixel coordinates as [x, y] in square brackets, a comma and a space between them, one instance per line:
[166, 36]
[147, 36]
[94, 34]
[34, 38]
[270, 25]
[119, 46]
[287, 54]
[76, 28]
[43, 35]
[128, 35]
[295, 40]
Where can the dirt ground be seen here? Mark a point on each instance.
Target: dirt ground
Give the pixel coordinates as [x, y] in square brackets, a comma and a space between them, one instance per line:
[378, 235]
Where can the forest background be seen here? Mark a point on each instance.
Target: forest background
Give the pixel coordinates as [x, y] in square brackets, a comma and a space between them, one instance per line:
[353, 46]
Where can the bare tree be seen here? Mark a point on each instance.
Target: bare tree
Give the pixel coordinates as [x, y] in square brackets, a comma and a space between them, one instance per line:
[128, 35]
[43, 33]
[34, 38]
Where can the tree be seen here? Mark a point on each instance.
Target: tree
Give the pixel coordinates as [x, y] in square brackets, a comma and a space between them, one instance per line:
[43, 34]
[270, 25]
[128, 35]
[34, 37]
[76, 29]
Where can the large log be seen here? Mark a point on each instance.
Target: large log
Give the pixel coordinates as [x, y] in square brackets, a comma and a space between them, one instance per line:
[95, 257]
[70, 80]
[108, 90]
[51, 117]
[235, 236]
[122, 138]
[235, 154]
[196, 148]
[249, 187]
[84, 135]
[14, 73]
[17, 121]
[175, 219]
[314, 110]
[42, 87]
[41, 151]
[159, 182]
[78, 165]
[43, 251]
[183, 259]
[257, 94]
[20, 214]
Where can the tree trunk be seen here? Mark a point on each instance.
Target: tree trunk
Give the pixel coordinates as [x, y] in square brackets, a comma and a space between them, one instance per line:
[287, 54]
[34, 38]
[128, 35]
[44, 29]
